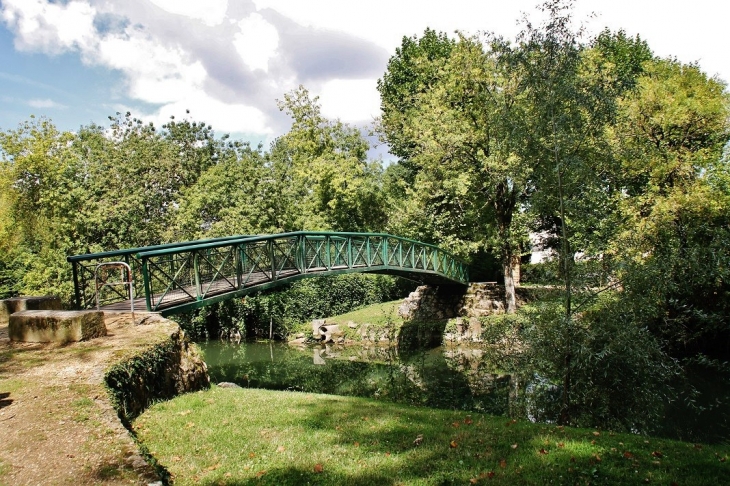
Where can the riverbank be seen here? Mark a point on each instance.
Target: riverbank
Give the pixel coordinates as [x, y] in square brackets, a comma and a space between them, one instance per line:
[247, 436]
[57, 420]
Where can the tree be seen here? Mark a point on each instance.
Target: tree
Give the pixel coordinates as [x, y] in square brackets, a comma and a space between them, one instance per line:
[670, 138]
[469, 179]
[232, 197]
[325, 163]
[413, 70]
[45, 201]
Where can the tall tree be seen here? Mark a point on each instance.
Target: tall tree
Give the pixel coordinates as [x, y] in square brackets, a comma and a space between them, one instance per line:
[413, 70]
[469, 179]
[325, 163]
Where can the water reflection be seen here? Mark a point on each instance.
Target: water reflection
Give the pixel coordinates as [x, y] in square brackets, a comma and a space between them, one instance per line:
[453, 378]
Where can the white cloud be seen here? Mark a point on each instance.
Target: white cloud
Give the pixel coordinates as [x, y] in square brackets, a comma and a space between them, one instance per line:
[49, 27]
[45, 103]
[350, 100]
[224, 117]
[211, 12]
[156, 73]
[257, 42]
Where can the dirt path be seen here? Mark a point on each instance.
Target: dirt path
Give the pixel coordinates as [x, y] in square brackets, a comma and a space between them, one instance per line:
[57, 425]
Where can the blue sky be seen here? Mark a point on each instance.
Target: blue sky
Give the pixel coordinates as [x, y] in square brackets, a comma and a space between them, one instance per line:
[79, 61]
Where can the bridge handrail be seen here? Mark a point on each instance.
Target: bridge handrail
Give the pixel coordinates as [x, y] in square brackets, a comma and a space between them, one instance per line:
[132, 251]
[200, 245]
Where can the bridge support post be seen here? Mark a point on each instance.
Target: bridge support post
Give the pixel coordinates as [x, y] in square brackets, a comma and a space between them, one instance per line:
[196, 270]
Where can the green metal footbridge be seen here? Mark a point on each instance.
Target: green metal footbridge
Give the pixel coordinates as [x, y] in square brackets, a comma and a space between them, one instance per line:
[176, 277]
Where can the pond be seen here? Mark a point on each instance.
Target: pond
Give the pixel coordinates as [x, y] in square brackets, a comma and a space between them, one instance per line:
[452, 377]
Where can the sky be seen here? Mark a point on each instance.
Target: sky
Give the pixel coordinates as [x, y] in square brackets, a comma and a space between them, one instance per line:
[227, 61]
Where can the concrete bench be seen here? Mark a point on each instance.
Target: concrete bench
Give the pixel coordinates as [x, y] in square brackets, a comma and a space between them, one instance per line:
[46, 326]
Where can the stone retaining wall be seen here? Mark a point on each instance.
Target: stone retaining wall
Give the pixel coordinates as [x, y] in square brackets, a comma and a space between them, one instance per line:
[161, 372]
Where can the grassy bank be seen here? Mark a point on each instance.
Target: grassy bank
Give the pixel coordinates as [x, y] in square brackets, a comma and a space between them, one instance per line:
[249, 436]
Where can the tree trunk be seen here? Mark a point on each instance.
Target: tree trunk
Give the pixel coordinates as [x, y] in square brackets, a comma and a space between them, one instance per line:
[509, 285]
[516, 265]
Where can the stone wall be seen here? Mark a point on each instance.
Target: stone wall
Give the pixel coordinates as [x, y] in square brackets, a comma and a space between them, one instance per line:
[162, 372]
[466, 304]
[428, 304]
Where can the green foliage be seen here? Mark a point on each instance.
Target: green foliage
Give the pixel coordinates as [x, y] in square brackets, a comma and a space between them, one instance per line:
[286, 308]
[413, 69]
[331, 185]
[621, 375]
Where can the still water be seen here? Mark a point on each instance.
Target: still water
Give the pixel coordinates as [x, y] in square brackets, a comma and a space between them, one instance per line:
[445, 377]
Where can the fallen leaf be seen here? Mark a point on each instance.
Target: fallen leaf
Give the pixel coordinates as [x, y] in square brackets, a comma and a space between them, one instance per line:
[213, 467]
[251, 455]
[723, 459]
[456, 425]
[657, 454]
[387, 454]
[543, 451]
[228, 475]
[189, 425]
[503, 464]
[561, 444]
[473, 481]
[468, 420]
[318, 468]
[593, 442]
[453, 444]
[490, 474]
[596, 433]
[357, 444]
[176, 458]
[628, 455]
[260, 473]
[280, 449]
[186, 412]
[597, 457]
[514, 446]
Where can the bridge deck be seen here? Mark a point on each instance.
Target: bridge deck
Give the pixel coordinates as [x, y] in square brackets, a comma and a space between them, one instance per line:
[216, 288]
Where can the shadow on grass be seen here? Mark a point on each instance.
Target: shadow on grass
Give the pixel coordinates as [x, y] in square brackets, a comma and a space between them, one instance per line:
[370, 443]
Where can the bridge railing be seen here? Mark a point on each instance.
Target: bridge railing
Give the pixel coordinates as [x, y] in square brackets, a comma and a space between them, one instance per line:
[196, 273]
[84, 268]
[200, 273]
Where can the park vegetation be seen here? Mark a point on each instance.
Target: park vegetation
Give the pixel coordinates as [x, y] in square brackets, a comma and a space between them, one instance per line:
[617, 156]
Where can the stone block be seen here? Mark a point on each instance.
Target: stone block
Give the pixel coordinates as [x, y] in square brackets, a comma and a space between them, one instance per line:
[17, 304]
[45, 326]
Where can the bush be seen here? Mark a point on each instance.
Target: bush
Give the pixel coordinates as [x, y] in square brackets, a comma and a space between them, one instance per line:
[287, 306]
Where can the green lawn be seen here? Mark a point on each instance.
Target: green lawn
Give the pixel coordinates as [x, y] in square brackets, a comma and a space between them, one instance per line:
[250, 436]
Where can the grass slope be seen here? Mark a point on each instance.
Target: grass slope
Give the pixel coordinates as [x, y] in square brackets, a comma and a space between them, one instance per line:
[250, 436]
